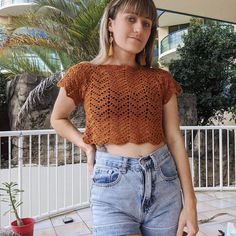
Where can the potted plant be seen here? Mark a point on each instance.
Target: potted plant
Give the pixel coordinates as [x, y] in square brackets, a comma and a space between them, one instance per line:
[7, 232]
[21, 226]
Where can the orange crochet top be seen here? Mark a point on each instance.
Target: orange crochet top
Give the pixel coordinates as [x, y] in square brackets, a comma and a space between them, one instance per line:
[122, 103]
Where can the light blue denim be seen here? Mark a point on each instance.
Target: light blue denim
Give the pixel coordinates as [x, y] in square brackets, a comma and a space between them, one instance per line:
[135, 195]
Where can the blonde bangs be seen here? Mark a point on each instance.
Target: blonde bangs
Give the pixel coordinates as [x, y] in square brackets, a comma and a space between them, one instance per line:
[140, 7]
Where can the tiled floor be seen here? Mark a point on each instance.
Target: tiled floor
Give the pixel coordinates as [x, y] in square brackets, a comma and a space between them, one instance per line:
[209, 204]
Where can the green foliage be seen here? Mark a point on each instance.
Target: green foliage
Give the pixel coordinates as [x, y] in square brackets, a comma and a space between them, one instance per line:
[206, 66]
[9, 195]
[59, 33]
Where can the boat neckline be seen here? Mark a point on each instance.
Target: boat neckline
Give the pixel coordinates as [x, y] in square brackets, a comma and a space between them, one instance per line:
[120, 65]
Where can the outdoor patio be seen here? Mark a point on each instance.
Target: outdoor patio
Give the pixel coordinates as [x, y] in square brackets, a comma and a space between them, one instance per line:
[209, 204]
[54, 176]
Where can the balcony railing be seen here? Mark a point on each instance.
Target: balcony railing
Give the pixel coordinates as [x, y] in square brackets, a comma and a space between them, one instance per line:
[173, 40]
[54, 175]
[52, 172]
[4, 3]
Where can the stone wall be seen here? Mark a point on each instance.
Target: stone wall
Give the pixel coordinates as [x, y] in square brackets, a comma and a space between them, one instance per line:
[17, 92]
[207, 158]
[38, 117]
[187, 104]
[4, 126]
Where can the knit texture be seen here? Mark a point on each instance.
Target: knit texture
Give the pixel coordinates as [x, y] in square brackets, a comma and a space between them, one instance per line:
[122, 103]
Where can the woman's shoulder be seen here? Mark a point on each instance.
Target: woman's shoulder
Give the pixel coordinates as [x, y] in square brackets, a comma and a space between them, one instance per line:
[83, 65]
[161, 72]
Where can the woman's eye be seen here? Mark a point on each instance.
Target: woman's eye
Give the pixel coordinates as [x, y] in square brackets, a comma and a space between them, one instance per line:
[131, 19]
[147, 24]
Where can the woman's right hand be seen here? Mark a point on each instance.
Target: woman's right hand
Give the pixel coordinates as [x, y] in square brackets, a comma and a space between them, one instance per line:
[90, 151]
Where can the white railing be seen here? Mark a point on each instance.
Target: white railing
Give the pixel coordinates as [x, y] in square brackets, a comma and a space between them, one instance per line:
[54, 176]
[212, 155]
[51, 171]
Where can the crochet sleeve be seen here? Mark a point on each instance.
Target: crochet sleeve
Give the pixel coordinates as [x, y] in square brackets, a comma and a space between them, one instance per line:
[73, 82]
[170, 87]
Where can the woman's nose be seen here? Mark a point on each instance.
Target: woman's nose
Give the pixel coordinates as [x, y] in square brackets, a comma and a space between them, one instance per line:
[138, 27]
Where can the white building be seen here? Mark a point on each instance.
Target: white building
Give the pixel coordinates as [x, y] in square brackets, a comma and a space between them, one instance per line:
[10, 8]
[174, 18]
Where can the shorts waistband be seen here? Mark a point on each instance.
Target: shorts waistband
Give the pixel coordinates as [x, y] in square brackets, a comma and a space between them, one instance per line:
[105, 158]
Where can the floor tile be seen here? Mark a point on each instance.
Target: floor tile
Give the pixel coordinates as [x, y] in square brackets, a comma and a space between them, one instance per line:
[58, 221]
[231, 210]
[45, 224]
[85, 214]
[217, 220]
[220, 203]
[220, 218]
[72, 229]
[202, 207]
[209, 204]
[203, 197]
[89, 224]
[201, 234]
[231, 199]
[222, 194]
[231, 221]
[211, 230]
[45, 232]
[201, 215]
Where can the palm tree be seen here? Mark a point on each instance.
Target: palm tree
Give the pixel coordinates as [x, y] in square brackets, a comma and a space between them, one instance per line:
[48, 39]
[65, 30]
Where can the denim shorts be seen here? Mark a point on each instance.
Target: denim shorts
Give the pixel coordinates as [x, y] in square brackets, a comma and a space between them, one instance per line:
[135, 195]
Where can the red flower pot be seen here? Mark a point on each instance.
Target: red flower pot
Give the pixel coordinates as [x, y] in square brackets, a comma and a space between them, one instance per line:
[25, 230]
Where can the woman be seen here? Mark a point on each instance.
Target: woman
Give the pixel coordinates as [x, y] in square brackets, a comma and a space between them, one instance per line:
[141, 172]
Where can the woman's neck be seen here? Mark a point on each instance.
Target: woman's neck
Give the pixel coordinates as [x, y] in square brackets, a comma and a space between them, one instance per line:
[113, 61]
[122, 58]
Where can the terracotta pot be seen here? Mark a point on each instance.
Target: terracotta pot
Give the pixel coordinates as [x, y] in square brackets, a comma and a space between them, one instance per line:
[25, 230]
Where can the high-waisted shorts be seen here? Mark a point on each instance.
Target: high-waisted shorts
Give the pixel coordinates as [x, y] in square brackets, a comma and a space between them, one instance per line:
[135, 195]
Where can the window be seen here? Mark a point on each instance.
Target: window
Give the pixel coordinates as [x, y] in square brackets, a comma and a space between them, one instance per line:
[175, 28]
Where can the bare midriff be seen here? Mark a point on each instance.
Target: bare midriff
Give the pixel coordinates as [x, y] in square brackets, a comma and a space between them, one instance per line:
[132, 149]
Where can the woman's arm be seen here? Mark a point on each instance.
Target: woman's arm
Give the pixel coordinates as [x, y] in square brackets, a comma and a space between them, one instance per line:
[175, 143]
[60, 121]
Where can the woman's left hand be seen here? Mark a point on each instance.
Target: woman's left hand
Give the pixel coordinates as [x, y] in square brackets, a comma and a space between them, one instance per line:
[188, 218]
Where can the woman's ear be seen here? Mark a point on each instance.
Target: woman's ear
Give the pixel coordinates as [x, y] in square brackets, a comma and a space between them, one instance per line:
[109, 25]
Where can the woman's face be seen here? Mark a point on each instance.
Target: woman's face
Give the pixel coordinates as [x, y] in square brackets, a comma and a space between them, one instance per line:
[130, 31]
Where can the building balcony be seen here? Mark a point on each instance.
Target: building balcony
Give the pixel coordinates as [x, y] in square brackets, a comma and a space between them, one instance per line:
[14, 7]
[169, 45]
[54, 176]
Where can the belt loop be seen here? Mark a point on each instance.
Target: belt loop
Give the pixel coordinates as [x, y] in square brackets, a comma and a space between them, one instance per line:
[124, 165]
[154, 161]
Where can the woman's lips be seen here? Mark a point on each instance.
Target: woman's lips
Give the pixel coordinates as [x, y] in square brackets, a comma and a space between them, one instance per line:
[138, 39]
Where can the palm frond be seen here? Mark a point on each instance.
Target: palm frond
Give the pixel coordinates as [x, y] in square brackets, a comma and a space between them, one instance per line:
[68, 29]
[23, 39]
[17, 61]
[66, 61]
[52, 26]
[68, 8]
[48, 57]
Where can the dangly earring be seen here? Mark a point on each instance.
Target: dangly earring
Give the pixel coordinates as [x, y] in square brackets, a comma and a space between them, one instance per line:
[110, 52]
[143, 58]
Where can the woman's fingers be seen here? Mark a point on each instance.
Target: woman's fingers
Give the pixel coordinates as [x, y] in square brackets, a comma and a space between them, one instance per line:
[181, 224]
[189, 222]
[90, 160]
[192, 230]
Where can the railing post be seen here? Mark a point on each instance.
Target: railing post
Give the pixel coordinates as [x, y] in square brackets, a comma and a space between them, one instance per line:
[20, 166]
[221, 159]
